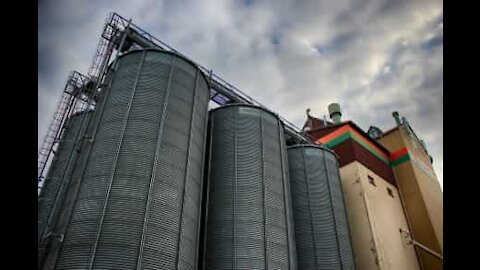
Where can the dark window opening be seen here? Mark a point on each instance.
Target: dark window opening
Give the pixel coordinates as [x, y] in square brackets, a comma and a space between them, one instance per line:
[390, 192]
[371, 180]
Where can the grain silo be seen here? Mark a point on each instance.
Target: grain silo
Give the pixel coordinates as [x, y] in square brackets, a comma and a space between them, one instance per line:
[249, 223]
[321, 229]
[138, 201]
[58, 177]
[71, 192]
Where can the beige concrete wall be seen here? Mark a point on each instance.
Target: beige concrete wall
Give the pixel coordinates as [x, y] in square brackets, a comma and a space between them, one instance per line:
[392, 141]
[422, 195]
[375, 219]
[428, 185]
[433, 199]
[362, 238]
[418, 216]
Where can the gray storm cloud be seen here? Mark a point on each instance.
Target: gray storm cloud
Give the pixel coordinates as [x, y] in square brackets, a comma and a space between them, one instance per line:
[371, 56]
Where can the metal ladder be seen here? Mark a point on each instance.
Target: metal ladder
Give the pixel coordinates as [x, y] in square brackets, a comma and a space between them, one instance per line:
[70, 102]
[53, 133]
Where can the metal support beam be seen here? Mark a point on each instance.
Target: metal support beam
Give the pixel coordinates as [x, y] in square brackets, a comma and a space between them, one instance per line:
[414, 242]
[140, 40]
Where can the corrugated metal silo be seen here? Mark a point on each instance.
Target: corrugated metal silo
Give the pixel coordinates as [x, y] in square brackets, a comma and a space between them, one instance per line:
[139, 197]
[58, 177]
[249, 218]
[321, 229]
[71, 190]
[56, 182]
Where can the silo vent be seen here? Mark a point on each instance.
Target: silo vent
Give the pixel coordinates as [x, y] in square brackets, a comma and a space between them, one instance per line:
[396, 115]
[335, 112]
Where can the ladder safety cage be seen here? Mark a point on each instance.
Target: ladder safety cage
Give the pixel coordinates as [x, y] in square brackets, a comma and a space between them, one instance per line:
[73, 99]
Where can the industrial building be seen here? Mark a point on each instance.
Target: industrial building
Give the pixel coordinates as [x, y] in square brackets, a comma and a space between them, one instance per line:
[382, 193]
[420, 189]
[137, 171]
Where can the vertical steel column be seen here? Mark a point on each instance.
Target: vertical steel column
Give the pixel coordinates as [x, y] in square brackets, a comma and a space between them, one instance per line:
[292, 252]
[114, 167]
[199, 216]
[180, 222]
[235, 117]
[205, 234]
[154, 169]
[265, 231]
[309, 205]
[333, 210]
[285, 190]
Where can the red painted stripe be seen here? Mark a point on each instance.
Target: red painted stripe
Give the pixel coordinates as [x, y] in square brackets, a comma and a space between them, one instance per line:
[333, 135]
[347, 128]
[399, 153]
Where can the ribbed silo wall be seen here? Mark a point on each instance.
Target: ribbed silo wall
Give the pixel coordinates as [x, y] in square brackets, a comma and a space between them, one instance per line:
[321, 229]
[58, 177]
[70, 193]
[139, 197]
[249, 218]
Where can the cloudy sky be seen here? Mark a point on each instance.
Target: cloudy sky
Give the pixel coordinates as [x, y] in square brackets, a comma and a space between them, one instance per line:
[371, 56]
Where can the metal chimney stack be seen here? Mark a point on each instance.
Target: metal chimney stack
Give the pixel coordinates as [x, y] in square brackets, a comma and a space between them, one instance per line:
[335, 112]
[396, 115]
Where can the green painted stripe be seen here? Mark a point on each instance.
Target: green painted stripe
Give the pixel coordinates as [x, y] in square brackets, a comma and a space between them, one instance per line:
[371, 145]
[370, 149]
[338, 140]
[400, 160]
[349, 135]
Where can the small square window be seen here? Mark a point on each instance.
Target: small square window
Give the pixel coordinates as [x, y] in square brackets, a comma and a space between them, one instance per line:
[371, 180]
[390, 192]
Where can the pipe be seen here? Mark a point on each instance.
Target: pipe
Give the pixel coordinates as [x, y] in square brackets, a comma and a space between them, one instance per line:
[396, 116]
[420, 245]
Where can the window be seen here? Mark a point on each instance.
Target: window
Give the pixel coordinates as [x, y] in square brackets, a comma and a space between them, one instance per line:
[371, 180]
[390, 192]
